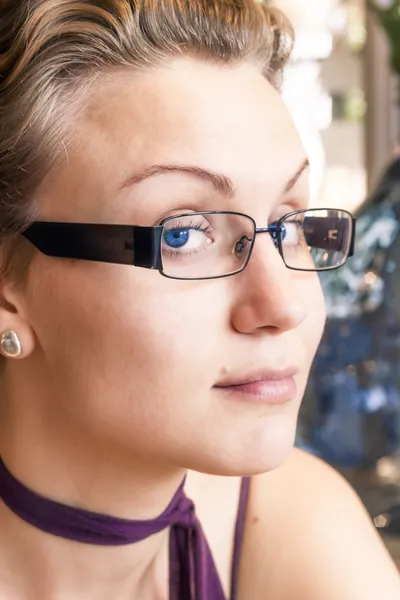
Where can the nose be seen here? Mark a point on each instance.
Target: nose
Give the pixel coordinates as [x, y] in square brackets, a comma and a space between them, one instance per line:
[268, 293]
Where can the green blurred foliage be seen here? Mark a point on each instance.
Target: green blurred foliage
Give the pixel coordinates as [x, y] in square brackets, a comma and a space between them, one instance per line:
[390, 20]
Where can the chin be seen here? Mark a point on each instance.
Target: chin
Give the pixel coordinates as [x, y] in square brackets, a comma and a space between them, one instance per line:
[264, 449]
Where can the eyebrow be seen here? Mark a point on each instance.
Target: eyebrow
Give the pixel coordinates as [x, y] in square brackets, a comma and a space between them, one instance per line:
[292, 182]
[221, 183]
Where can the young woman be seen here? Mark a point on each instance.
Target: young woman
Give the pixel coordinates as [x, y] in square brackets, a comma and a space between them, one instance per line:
[159, 312]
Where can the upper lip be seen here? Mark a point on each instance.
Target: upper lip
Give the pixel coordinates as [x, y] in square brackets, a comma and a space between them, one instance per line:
[258, 375]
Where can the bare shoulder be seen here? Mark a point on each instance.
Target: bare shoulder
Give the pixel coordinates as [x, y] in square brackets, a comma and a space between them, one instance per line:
[308, 537]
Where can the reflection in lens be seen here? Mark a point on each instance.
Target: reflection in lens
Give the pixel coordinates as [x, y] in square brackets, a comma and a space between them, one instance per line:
[317, 239]
[205, 245]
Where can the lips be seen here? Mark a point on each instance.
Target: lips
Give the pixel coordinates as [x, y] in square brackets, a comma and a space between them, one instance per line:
[272, 386]
[260, 375]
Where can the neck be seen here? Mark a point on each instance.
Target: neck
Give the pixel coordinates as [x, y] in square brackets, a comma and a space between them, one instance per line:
[97, 479]
[36, 565]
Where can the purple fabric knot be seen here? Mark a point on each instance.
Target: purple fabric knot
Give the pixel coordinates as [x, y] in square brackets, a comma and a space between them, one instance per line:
[185, 512]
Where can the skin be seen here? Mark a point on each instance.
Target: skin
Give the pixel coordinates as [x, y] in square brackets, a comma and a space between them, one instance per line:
[114, 400]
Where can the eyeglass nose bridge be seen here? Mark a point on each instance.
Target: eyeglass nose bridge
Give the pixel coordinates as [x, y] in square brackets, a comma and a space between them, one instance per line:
[275, 230]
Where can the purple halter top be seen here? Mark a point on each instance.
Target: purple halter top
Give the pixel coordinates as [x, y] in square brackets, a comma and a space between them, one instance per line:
[193, 575]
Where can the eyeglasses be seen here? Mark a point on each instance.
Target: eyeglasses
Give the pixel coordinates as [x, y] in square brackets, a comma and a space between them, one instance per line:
[205, 245]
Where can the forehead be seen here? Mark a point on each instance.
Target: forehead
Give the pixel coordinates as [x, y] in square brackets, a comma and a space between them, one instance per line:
[227, 119]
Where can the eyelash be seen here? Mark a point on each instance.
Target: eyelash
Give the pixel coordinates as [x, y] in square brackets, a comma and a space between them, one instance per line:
[296, 219]
[204, 227]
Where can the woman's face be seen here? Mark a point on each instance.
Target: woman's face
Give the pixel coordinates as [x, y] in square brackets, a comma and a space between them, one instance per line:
[132, 359]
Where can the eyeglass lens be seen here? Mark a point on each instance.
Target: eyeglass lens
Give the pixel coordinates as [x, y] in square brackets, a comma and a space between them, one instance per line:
[199, 246]
[316, 239]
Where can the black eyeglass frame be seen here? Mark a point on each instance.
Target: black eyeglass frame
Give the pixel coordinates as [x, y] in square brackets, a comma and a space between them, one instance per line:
[140, 246]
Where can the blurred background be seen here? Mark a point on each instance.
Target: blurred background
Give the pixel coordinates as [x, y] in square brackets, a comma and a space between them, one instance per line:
[343, 89]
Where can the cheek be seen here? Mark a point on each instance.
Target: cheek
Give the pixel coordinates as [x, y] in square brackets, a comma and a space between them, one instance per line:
[124, 328]
[134, 357]
[313, 326]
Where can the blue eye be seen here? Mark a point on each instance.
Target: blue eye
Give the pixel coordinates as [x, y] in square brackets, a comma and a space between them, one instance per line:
[176, 238]
[275, 231]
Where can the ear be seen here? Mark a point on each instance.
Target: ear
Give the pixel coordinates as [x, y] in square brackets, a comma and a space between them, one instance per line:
[15, 328]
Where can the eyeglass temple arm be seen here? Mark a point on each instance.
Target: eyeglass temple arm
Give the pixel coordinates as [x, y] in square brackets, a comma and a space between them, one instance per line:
[120, 244]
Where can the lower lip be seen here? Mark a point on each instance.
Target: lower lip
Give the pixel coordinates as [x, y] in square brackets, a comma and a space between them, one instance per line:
[279, 391]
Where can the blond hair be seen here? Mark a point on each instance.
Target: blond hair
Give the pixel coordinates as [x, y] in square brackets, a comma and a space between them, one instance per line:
[51, 51]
